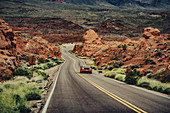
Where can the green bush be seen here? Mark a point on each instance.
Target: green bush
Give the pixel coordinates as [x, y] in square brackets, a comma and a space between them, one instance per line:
[50, 65]
[132, 76]
[100, 71]
[110, 74]
[46, 76]
[41, 60]
[24, 109]
[32, 96]
[1, 90]
[124, 47]
[22, 72]
[120, 77]
[110, 68]
[150, 75]
[98, 63]
[93, 67]
[167, 91]
[145, 85]
[160, 71]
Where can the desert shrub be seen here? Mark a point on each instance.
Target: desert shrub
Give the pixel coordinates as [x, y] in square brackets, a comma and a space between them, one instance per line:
[22, 72]
[50, 65]
[32, 96]
[100, 71]
[124, 47]
[1, 90]
[93, 67]
[167, 91]
[144, 84]
[160, 70]
[160, 89]
[152, 62]
[132, 76]
[7, 86]
[134, 66]
[43, 74]
[24, 109]
[110, 68]
[27, 58]
[119, 46]
[147, 61]
[58, 61]
[100, 68]
[120, 77]
[103, 65]
[118, 64]
[150, 75]
[110, 74]
[158, 54]
[41, 60]
[97, 63]
[160, 60]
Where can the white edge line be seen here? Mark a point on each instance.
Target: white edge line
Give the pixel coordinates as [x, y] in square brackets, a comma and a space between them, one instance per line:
[52, 91]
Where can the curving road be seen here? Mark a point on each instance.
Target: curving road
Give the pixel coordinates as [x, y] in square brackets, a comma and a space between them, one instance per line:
[94, 93]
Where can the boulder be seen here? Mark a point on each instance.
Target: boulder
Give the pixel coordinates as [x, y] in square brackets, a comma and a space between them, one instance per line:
[150, 32]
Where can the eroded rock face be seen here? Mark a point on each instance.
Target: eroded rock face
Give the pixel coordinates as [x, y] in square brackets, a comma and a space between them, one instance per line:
[12, 46]
[150, 32]
[127, 52]
[7, 49]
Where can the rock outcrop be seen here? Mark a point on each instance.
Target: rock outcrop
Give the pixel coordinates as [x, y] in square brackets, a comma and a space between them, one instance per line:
[13, 46]
[152, 46]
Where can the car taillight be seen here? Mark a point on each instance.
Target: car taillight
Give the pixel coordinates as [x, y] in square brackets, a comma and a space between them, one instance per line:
[82, 67]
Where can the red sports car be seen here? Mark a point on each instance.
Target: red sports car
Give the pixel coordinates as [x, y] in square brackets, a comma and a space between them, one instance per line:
[85, 69]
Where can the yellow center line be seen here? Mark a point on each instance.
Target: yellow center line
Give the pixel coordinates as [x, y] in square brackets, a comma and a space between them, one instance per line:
[124, 102]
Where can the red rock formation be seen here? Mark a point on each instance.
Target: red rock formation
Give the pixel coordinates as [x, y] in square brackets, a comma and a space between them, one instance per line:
[7, 49]
[150, 32]
[153, 46]
[12, 46]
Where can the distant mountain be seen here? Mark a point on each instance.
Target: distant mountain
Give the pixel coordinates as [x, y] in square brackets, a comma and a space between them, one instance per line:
[144, 3]
[134, 3]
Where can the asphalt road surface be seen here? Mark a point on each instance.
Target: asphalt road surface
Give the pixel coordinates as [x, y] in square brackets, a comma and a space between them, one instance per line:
[94, 93]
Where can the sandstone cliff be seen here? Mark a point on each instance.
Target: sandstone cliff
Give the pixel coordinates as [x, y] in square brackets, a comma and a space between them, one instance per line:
[13, 46]
[152, 47]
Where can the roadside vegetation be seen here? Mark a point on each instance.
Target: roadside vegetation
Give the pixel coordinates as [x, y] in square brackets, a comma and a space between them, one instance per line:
[134, 77]
[24, 92]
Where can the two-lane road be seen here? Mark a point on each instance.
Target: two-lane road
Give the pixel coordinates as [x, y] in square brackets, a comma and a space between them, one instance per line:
[93, 93]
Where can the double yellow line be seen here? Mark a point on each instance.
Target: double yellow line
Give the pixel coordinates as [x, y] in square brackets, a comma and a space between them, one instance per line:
[124, 102]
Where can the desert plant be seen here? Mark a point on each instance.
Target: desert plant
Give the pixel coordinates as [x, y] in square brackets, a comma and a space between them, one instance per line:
[167, 91]
[41, 60]
[22, 72]
[160, 70]
[124, 47]
[1, 90]
[32, 96]
[110, 74]
[23, 109]
[145, 85]
[120, 77]
[110, 68]
[150, 75]
[132, 76]
[98, 63]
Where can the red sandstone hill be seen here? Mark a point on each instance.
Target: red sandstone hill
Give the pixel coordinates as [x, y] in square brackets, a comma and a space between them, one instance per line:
[150, 52]
[13, 46]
